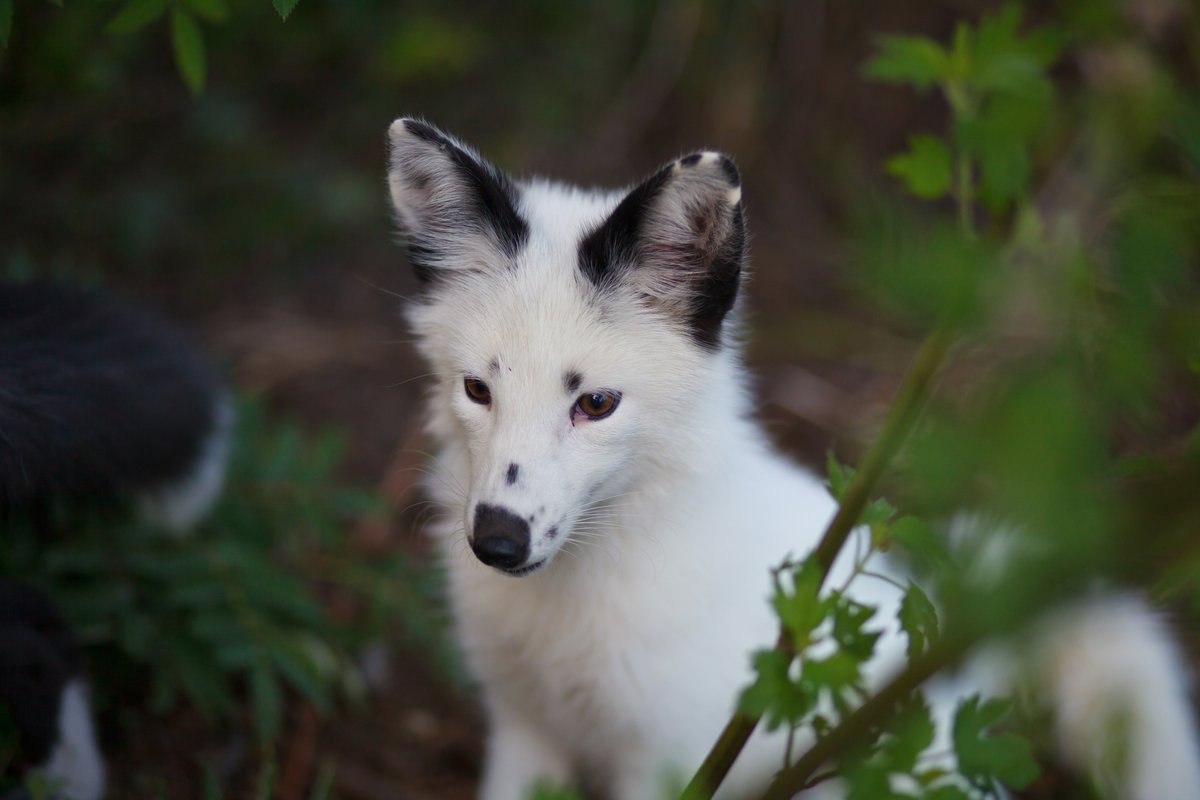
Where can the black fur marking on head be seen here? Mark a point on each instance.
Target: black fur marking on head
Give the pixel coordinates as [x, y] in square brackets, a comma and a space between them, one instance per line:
[492, 197]
[422, 256]
[510, 477]
[718, 291]
[494, 366]
[613, 247]
[492, 191]
[572, 380]
[731, 171]
[552, 533]
[643, 234]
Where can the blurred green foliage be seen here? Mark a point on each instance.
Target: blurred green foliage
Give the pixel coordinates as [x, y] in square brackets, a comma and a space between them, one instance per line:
[187, 37]
[240, 607]
[109, 165]
[1081, 301]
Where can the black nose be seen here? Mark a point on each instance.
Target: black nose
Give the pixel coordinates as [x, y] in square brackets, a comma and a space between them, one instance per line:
[501, 537]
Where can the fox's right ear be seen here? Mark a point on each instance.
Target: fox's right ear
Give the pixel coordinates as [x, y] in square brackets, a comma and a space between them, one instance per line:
[455, 210]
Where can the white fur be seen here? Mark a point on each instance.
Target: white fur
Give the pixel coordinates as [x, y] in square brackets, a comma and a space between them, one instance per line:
[178, 506]
[75, 769]
[621, 657]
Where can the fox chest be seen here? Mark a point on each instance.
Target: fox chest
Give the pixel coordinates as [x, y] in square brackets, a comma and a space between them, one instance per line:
[585, 668]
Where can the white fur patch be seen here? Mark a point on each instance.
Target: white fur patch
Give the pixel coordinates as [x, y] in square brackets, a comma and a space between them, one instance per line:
[178, 506]
[75, 768]
[1121, 694]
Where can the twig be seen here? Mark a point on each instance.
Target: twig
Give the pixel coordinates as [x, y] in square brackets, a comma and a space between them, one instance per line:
[870, 714]
[899, 421]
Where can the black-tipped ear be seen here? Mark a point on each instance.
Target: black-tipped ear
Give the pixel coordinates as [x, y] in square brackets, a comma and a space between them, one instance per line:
[678, 239]
[453, 207]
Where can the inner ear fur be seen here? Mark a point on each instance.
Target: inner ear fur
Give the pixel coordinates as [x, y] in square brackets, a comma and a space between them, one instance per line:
[453, 208]
[678, 240]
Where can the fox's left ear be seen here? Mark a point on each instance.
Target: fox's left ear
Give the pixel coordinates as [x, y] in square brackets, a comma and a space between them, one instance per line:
[455, 210]
[678, 240]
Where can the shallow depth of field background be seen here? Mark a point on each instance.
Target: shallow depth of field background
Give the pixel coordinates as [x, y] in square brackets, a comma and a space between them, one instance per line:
[255, 213]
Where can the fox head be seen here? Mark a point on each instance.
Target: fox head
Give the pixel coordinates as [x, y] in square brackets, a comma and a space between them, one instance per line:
[579, 339]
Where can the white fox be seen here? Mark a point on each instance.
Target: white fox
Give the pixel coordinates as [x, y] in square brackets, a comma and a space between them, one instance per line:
[613, 510]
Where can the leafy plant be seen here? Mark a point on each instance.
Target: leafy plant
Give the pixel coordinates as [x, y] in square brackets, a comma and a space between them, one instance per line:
[240, 606]
[1028, 451]
[186, 31]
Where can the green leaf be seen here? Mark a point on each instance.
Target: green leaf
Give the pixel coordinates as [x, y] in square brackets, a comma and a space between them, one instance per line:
[910, 734]
[1004, 60]
[284, 8]
[838, 676]
[1000, 135]
[921, 542]
[934, 272]
[833, 674]
[197, 676]
[546, 791]
[848, 620]
[919, 619]
[870, 782]
[925, 168]
[266, 700]
[839, 476]
[958, 65]
[915, 60]
[294, 664]
[6, 17]
[188, 43]
[773, 693]
[801, 610]
[985, 758]
[876, 517]
[211, 10]
[136, 15]
[212, 786]
[946, 793]
[878, 512]
[1184, 126]
[40, 786]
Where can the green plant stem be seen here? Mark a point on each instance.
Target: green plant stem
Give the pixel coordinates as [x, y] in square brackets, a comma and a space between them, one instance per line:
[901, 416]
[965, 194]
[871, 714]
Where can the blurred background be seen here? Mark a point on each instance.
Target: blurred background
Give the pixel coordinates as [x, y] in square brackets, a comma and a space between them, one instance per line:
[229, 169]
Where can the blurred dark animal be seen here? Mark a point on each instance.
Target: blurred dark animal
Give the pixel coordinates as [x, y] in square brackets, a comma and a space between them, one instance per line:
[101, 397]
[42, 687]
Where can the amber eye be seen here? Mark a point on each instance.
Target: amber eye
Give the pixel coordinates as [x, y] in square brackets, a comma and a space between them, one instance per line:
[597, 405]
[478, 391]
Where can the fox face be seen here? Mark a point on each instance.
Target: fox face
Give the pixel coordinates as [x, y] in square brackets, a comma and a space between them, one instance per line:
[577, 338]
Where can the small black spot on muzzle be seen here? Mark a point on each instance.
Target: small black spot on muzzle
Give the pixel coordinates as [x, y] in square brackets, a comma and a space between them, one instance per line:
[500, 538]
